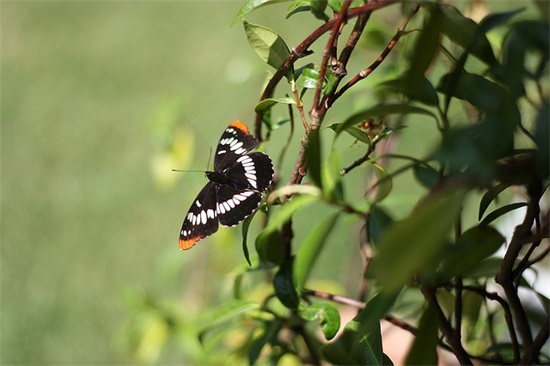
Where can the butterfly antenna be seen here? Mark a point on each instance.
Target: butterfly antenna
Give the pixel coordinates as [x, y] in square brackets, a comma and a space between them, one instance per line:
[187, 171]
[209, 157]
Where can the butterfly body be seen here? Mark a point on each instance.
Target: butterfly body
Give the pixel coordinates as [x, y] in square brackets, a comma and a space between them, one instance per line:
[235, 187]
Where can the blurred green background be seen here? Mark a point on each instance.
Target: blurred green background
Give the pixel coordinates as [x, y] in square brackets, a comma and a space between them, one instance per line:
[100, 100]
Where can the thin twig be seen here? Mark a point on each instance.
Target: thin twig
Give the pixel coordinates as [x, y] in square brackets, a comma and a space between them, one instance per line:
[366, 72]
[532, 353]
[446, 329]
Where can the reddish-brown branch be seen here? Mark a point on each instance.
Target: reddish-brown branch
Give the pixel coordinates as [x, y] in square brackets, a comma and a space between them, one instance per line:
[301, 50]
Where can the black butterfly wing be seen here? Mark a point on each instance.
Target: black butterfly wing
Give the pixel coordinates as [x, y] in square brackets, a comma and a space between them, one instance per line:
[234, 205]
[255, 169]
[202, 219]
[236, 141]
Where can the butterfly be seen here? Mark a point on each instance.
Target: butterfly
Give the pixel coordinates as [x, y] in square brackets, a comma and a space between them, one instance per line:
[235, 187]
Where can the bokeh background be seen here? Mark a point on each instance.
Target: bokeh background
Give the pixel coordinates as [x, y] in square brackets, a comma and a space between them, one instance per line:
[99, 101]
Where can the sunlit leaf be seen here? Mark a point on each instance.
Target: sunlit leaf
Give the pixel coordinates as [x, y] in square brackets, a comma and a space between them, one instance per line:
[332, 179]
[270, 102]
[253, 5]
[311, 248]
[216, 316]
[384, 183]
[298, 6]
[268, 45]
[308, 79]
[288, 209]
[409, 245]
[326, 315]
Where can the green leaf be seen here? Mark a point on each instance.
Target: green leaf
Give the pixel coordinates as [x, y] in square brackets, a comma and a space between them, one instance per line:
[472, 247]
[426, 175]
[270, 332]
[495, 19]
[425, 47]
[542, 131]
[308, 79]
[246, 225]
[378, 222]
[313, 152]
[361, 341]
[311, 248]
[318, 9]
[253, 5]
[284, 285]
[270, 102]
[384, 184]
[424, 348]
[410, 245]
[269, 247]
[466, 33]
[326, 315]
[381, 111]
[501, 211]
[214, 317]
[489, 196]
[288, 209]
[488, 267]
[268, 45]
[298, 6]
[331, 177]
[420, 89]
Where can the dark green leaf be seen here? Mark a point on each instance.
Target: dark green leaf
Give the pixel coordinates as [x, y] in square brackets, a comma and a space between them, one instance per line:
[358, 134]
[246, 225]
[288, 209]
[269, 247]
[253, 5]
[408, 246]
[426, 175]
[464, 31]
[501, 211]
[488, 267]
[326, 315]
[378, 222]
[311, 249]
[496, 19]
[283, 283]
[425, 47]
[298, 6]
[424, 348]
[318, 9]
[471, 306]
[542, 131]
[420, 89]
[268, 45]
[472, 247]
[489, 196]
[270, 102]
[314, 158]
[380, 111]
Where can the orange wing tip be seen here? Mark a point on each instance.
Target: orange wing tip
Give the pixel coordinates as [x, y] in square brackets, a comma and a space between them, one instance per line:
[241, 126]
[187, 244]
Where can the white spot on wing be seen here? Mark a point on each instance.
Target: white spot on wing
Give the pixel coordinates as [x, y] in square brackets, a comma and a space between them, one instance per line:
[236, 145]
[231, 203]
[210, 213]
[226, 206]
[198, 203]
[221, 152]
[236, 201]
[203, 217]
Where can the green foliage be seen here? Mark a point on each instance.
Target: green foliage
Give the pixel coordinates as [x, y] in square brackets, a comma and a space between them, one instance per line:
[491, 131]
